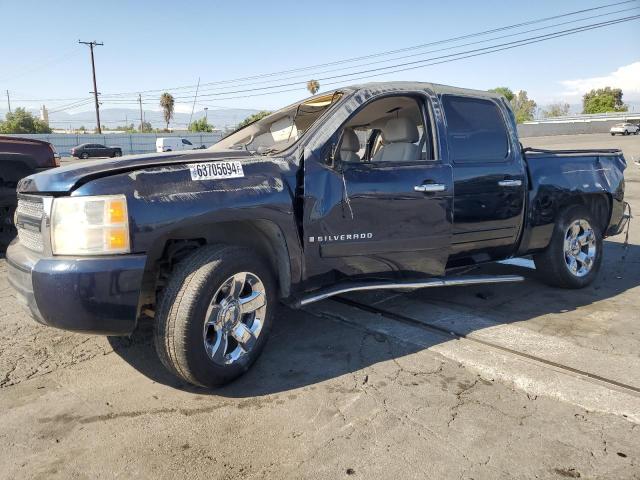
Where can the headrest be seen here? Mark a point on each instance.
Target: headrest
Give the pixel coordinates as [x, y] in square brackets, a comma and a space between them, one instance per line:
[284, 129]
[350, 141]
[400, 130]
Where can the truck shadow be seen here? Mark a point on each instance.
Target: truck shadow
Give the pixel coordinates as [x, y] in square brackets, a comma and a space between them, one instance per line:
[304, 350]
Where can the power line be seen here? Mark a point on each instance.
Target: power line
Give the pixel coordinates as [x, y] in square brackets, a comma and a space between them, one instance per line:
[390, 52]
[475, 52]
[120, 98]
[433, 51]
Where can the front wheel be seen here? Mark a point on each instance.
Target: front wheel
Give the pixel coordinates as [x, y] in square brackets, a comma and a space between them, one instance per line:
[214, 315]
[84, 156]
[574, 255]
[117, 153]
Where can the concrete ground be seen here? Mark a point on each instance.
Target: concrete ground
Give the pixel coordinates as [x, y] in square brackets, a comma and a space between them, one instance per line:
[544, 383]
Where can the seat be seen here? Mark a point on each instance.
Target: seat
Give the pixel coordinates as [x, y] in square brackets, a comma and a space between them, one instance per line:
[350, 145]
[399, 135]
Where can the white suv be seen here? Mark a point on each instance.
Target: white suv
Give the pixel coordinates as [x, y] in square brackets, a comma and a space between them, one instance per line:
[624, 129]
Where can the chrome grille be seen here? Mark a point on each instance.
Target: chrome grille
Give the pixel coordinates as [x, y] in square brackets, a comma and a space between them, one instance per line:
[29, 214]
[31, 240]
[33, 209]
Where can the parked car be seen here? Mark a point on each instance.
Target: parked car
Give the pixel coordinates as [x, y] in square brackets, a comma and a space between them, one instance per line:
[624, 129]
[173, 144]
[289, 209]
[87, 150]
[19, 158]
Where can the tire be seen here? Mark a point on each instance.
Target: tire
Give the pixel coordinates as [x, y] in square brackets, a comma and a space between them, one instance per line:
[554, 263]
[613, 134]
[207, 353]
[84, 155]
[117, 153]
[626, 132]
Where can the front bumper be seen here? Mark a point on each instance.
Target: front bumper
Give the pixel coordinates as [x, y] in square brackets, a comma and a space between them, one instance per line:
[95, 295]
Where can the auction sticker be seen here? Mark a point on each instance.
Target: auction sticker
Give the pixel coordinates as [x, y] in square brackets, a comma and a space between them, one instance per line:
[215, 170]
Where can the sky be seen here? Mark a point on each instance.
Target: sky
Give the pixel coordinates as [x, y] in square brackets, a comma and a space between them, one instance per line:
[160, 45]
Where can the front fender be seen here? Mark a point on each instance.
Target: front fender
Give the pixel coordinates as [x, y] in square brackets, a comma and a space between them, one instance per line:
[165, 204]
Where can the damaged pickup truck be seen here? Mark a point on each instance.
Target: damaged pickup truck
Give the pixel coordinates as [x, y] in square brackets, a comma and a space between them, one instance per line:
[387, 185]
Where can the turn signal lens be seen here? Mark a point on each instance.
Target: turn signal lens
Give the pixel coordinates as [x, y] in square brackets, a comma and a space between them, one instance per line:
[90, 225]
[117, 210]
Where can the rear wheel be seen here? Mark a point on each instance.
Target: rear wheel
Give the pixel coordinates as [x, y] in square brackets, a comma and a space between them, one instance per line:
[117, 153]
[215, 314]
[574, 255]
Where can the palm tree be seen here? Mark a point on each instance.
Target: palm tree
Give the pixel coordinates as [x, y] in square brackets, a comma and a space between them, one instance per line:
[313, 86]
[167, 103]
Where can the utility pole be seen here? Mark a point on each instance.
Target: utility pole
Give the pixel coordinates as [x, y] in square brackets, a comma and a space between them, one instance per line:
[206, 119]
[8, 101]
[195, 97]
[95, 86]
[141, 118]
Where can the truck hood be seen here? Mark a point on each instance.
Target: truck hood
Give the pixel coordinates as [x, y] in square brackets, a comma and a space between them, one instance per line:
[64, 179]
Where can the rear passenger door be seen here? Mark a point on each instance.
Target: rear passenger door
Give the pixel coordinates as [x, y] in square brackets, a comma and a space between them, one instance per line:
[489, 178]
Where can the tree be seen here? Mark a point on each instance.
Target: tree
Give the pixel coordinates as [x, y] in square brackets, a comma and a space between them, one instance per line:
[523, 108]
[200, 125]
[603, 100]
[254, 118]
[168, 104]
[558, 109]
[504, 91]
[313, 86]
[21, 121]
[146, 127]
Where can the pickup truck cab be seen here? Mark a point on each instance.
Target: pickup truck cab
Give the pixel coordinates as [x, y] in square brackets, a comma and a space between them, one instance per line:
[384, 185]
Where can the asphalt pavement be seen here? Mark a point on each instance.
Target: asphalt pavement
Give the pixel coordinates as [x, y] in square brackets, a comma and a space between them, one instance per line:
[496, 381]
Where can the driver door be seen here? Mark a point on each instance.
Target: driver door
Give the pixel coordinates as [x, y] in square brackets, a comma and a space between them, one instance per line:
[385, 214]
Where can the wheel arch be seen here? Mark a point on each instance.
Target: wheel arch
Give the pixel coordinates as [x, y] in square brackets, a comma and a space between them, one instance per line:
[263, 236]
[599, 204]
[544, 218]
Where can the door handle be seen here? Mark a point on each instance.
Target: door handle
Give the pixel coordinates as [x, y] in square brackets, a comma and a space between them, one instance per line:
[430, 187]
[510, 183]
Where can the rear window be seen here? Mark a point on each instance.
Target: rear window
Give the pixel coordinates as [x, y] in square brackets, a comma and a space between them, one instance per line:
[475, 129]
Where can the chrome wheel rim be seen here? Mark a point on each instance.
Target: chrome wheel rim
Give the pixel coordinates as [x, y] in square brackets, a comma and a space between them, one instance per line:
[580, 248]
[235, 318]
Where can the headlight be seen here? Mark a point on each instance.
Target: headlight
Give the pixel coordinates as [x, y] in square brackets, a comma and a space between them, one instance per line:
[90, 225]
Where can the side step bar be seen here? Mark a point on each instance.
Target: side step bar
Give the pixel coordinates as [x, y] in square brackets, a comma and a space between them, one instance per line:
[432, 282]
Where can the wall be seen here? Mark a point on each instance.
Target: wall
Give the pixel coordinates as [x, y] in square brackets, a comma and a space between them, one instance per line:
[565, 128]
[130, 143]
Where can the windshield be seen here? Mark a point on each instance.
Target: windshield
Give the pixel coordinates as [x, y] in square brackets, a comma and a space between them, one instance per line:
[281, 129]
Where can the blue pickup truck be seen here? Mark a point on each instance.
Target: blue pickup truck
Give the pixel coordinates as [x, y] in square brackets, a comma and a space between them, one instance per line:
[383, 185]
